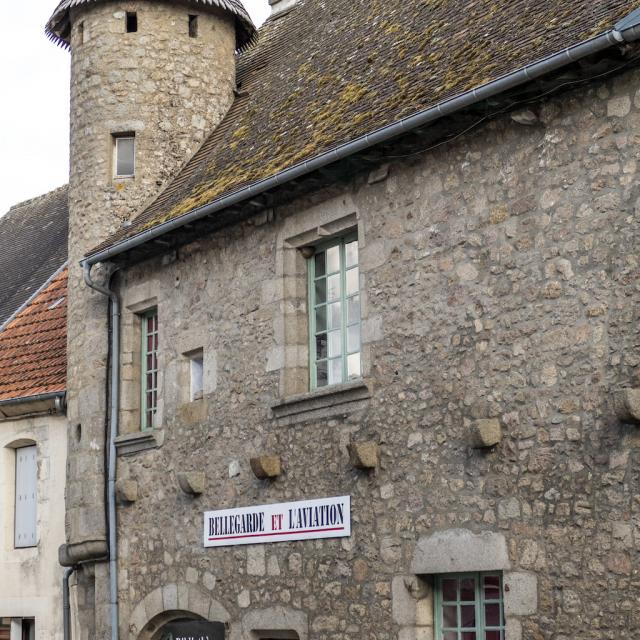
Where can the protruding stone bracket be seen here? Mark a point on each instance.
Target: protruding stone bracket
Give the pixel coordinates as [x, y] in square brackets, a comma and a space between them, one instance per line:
[486, 433]
[266, 466]
[126, 490]
[364, 455]
[627, 405]
[192, 482]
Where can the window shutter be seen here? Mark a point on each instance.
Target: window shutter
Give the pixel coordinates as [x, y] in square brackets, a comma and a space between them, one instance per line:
[26, 496]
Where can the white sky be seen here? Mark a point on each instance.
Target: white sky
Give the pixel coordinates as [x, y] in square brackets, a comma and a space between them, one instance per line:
[34, 101]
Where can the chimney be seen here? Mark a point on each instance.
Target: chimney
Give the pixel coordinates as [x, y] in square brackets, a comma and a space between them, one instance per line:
[278, 6]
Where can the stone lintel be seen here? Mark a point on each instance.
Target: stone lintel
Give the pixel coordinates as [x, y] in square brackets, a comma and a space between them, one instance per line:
[459, 551]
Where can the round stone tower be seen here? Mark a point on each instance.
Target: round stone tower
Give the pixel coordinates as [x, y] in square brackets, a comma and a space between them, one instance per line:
[150, 79]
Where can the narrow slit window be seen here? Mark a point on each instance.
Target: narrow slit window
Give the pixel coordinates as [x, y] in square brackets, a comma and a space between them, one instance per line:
[81, 33]
[196, 363]
[149, 369]
[334, 295]
[124, 151]
[132, 21]
[193, 26]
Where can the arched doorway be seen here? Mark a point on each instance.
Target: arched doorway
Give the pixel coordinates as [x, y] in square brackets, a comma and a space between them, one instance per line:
[188, 629]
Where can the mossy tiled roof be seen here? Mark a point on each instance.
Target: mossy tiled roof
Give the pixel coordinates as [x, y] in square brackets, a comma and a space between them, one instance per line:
[329, 71]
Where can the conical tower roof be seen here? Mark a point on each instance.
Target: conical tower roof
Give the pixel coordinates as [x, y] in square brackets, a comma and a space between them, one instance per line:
[58, 26]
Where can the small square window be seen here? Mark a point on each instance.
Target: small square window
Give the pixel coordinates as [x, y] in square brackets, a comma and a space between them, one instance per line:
[124, 151]
[469, 606]
[334, 296]
[196, 364]
[132, 21]
[193, 26]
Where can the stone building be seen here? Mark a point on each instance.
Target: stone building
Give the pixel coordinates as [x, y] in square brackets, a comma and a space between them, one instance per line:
[397, 274]
[33, 427]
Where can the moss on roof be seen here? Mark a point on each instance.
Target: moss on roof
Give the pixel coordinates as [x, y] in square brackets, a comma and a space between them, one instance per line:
[328, 72]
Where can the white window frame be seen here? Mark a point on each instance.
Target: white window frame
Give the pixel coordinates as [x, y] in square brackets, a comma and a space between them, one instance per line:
[26, 497]
[117, 138]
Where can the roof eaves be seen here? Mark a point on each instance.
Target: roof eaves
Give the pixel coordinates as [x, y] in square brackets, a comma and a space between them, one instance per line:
[629, 32]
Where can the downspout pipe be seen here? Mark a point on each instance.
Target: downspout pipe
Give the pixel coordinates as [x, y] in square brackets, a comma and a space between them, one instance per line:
[114, 408]
[66, 603]
[626, 31]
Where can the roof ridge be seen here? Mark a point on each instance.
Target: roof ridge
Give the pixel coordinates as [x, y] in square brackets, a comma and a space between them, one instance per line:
[36, 293]
[34, 199]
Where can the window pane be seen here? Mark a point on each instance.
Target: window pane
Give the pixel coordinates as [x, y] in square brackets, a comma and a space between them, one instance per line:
[353, 283]
[469, 635]
[468, 589]
[353, 366]
[492, 615]
[493, 635]
[335, 344]
[353, 310]
[335, 371]
[450, 635]
[351, 252]
[320, 259]
[450, 616]
[321, 291]
[353, 338]
[468, 615]
[124, 152]
[492, 587]
[321, 319]
[333, 259]
[321, 374]
[450, 590]
[321, 346]
[333, 287]
[335, 319]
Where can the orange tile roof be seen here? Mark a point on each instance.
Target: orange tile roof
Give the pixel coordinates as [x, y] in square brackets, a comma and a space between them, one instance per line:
[33, 346]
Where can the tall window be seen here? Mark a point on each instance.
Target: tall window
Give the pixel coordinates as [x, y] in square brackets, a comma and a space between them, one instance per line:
[193, 26]
[469, 607]
[26, 497]
[124, 155]
[334, 306]
[149, 402]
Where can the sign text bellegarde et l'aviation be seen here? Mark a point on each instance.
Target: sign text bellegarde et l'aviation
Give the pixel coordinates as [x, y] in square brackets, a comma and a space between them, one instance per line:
[306, 520]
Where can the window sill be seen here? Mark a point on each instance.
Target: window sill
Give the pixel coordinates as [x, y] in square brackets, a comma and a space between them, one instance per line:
[131, 443]
[328, 402]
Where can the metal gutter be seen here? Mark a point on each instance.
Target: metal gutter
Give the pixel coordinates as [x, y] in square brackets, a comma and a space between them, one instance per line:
[58, 396]
[114, 407]
[630, 31]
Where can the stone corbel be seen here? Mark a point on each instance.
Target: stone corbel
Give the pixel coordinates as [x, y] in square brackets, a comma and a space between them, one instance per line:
[627, 405]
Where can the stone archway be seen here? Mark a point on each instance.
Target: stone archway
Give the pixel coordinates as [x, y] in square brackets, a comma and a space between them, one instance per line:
[170, 603]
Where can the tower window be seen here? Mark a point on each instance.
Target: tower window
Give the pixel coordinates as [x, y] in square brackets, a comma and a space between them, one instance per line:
[81, 35]
[124, 152]
[193, 26]
[132, 21]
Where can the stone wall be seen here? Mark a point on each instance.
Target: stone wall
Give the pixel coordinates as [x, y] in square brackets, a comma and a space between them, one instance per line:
[31, 577]
[171, 90]
[499, 281]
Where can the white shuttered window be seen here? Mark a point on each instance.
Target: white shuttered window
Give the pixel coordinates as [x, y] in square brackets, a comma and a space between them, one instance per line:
[26, 496]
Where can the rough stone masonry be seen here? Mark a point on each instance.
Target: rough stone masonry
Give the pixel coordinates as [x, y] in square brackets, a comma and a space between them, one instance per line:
[500, 281]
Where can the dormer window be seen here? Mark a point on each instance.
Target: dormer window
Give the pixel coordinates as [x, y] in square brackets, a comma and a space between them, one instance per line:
[193, 26]
[132, 21]
[124, 155]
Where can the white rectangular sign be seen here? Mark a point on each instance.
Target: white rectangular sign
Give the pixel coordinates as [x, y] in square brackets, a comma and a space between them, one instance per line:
[306, 520]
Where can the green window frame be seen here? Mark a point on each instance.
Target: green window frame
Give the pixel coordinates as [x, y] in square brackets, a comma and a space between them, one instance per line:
[149, 378]
[469, 606]
[334, 312]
